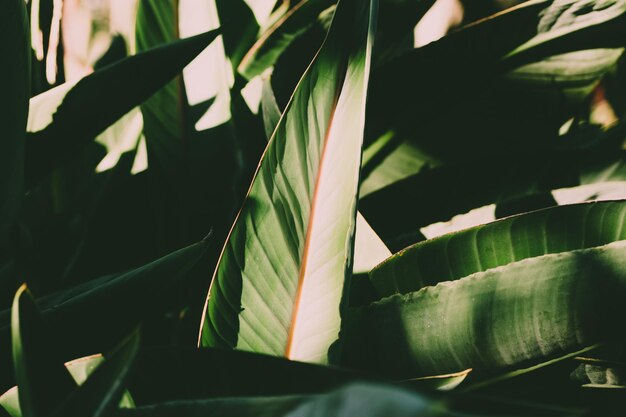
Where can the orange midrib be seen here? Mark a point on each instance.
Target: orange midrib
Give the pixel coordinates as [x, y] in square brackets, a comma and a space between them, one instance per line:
[307, 242]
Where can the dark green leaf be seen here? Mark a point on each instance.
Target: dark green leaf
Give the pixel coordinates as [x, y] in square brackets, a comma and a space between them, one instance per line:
[105, 386]
[15, 75]
[108, 308]
[43, 380]
[119, 88]
[440, 193]
[172, 374]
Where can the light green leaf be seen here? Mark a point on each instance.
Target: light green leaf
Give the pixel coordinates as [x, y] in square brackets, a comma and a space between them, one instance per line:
[456, 255]
[15, 75]
[279, 282]
[512, 316]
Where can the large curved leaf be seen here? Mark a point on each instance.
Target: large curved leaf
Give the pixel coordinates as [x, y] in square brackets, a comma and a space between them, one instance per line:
[280, 279]
[456, 255]
[15, 76]
[513, 316]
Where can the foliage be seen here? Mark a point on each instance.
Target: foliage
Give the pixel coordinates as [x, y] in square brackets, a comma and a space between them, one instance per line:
[284, 208]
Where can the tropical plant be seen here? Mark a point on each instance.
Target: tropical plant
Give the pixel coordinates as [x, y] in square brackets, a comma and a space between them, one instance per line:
[306, 208]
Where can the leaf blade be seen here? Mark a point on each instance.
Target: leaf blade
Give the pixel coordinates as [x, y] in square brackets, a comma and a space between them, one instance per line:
[279, 211]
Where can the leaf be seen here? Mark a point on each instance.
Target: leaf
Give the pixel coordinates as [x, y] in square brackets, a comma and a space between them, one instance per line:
[80, 369]
[367, 400]
[456, 255]
[464, 72]
[270, 109]
[595, 373]
[239, 28]
[226, 407]
[513, 316]
[164, 111]
[362, 399]
[13, 111]
[271, 44]
[282, 271]
[369, 250]
[440, 193]
[42, 378]
[444, 382]
[179, 373]
[108, 308]
[101, 392]
[118, 92]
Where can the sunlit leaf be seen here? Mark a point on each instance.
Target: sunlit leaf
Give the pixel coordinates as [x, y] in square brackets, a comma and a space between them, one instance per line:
[279, 282]
[457, 255]
[513, 316]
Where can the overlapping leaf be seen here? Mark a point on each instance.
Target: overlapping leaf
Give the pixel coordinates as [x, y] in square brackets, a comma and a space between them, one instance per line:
[279, 282]
[513, 316]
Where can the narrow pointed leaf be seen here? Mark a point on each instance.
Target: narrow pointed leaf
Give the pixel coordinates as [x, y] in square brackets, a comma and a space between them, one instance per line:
[107, 308]
[15, 76]
[280, 279]
[275, 39]
[101, 392]
[170, 374]
[40, 374]
[456, 255]
[514, 316]
[119, 88]
[80, 369]
[164, 111]
[270, 109]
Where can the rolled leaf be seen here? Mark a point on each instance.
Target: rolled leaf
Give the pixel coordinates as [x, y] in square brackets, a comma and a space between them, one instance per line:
[279, 283]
